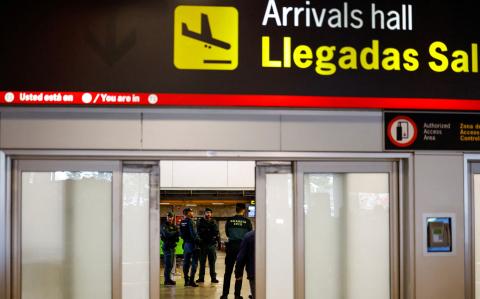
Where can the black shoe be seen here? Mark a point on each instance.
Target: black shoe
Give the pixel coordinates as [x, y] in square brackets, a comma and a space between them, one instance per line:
[200, 280]
[238, 297]
[193, 284]
[224, 297]
[214, 280]
[170, 283]
[187, 282]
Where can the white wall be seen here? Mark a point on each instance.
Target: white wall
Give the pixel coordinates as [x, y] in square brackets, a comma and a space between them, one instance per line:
[207, 174]
[439, 189]
[70, 130]
[194, 129]
[210, 130]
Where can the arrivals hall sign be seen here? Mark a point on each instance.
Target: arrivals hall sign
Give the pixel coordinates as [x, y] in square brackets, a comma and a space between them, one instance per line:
[267, 53]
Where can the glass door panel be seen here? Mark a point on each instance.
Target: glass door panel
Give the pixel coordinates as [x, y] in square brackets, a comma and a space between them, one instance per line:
[136, 235]
[347, 236]
[347, 230]
[66, 234]
[279, 234]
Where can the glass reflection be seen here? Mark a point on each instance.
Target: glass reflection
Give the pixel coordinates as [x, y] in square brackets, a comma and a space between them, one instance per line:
[66, 235]
[347, 236]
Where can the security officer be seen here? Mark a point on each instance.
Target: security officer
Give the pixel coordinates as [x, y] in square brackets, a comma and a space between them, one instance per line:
[207, 229]
[190, 247]
[170, 236]
[235, 228]
[246, 259]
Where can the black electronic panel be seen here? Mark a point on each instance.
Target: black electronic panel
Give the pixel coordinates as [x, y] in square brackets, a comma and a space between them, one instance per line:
[413, 49]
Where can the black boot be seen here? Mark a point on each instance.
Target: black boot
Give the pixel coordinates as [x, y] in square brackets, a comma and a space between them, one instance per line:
[187, 281]
[170, 282]
[192, 283]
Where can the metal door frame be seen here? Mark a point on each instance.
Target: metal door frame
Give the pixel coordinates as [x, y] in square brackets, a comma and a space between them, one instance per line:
[153, 169]
[471, 167]
[262, 168]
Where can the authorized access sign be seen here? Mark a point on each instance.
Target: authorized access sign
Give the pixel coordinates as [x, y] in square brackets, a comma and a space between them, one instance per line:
[267, 53]
[431, 131]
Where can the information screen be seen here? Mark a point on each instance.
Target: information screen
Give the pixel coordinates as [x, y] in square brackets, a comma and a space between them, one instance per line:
[251, 211]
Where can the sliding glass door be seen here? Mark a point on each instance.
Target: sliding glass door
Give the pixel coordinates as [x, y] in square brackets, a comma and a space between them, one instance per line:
[347, 230]
[66, 238]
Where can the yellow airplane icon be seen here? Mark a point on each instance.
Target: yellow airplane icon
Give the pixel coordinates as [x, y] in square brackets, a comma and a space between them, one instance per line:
[195, 45]
[205, 35]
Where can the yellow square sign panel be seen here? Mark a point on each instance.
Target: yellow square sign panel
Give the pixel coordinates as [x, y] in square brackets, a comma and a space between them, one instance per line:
[205, 38]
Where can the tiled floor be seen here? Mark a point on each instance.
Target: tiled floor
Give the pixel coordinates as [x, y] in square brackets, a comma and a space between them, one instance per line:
[206, 290]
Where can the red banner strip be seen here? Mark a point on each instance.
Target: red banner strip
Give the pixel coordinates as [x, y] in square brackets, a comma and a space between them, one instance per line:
[47, 98]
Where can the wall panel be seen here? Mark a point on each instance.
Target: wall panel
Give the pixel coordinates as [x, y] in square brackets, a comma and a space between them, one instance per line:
[215, 131]
[439, 189]
[70, 130]
[333, 131]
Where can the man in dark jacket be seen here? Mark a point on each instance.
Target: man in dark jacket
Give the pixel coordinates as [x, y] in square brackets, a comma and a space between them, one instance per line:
[190, 247]
[246, 259]
[169, 235]
[235, 228]
[209, 234]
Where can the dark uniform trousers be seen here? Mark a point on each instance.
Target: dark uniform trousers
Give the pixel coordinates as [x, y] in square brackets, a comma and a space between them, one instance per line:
[169, 257]
[210, 252]
[232, 251]
[190, 258]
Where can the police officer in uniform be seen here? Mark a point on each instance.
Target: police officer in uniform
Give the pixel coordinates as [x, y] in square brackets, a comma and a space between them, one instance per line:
[170, 236]
[246, 259]
[235, 228]
[190, 247]
[207, 229]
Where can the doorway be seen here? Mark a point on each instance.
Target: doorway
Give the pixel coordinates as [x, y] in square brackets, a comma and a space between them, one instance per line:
[215, 192]
[295, 205]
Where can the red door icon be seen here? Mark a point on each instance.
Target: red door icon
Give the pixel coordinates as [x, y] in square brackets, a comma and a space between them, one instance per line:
[402, 131]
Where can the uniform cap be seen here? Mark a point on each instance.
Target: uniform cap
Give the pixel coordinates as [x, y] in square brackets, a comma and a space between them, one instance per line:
[208, 210]
[186, 210]
[170, 214]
